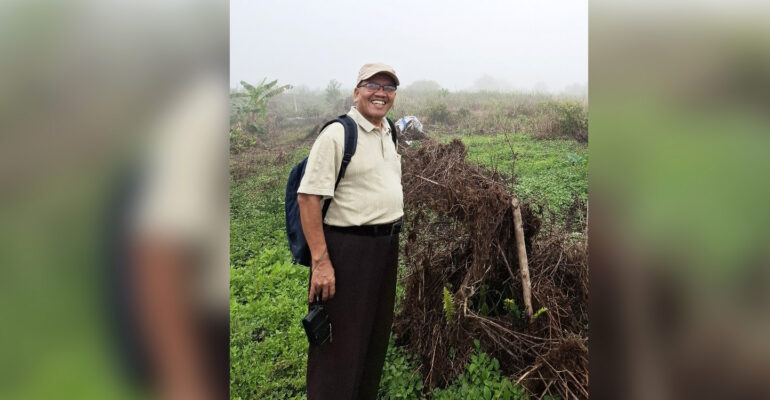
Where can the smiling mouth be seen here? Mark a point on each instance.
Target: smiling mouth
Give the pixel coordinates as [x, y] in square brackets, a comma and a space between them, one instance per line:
[378, 102]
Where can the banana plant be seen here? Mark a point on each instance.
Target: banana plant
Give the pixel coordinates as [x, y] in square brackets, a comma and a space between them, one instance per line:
[257, 99]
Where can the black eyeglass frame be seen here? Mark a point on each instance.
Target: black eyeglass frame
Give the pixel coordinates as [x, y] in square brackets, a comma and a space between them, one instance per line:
[375, 87]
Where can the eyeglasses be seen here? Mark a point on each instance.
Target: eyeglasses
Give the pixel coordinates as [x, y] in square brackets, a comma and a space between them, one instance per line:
[375, 87]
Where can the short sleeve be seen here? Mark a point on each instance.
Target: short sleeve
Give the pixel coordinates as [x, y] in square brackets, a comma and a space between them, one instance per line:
[324, 161]
[179, 193]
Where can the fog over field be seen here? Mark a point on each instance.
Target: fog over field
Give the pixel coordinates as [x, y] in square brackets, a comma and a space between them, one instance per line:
[520, 45]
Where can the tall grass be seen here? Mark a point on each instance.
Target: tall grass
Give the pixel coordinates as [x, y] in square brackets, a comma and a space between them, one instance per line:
[295, 113]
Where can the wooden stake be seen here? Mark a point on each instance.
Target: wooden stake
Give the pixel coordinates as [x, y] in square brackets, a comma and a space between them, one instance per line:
[522, 252]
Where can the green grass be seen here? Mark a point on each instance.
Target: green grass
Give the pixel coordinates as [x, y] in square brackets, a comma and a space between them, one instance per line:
[482, 379]
[549, 172]
[268, 348]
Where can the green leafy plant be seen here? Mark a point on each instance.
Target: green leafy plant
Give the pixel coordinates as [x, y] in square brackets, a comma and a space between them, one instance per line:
[449, 305]
[576, 159]
[537, 314]
[511, 306]
[482, 379]
[400, 379]
[254, 111]
[259, 95]
[572, 118]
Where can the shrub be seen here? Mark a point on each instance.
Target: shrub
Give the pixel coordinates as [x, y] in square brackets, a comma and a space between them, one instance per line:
[481, 380]
[333, 92]
[240, 140]
[400, 379]
[464, 113]
[572, 120]
[439, 114]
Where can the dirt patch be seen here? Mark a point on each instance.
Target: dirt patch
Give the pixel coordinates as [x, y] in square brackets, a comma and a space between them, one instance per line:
[254, 160]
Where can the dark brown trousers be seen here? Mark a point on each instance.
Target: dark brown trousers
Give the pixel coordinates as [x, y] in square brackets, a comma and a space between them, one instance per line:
[361, 315]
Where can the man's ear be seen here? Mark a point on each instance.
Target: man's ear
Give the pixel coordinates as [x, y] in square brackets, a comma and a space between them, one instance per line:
[355, 95]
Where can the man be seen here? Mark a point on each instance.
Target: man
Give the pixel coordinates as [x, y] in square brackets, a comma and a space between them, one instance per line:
[354, 250]
[169, 253]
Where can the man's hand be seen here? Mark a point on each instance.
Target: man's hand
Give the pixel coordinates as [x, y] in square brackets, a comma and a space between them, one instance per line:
[322, 280]
[321, 271]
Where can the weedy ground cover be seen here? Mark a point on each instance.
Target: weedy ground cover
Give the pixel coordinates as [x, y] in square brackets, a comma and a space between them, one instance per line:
[268, 347]
[552, 173]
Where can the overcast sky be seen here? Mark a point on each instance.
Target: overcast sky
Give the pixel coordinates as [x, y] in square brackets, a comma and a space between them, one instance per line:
[523, 42]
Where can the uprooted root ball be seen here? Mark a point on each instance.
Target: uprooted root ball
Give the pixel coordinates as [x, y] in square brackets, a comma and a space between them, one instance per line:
[463, 281]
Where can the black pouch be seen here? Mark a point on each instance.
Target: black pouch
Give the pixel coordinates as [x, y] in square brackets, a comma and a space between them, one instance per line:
[317, 325]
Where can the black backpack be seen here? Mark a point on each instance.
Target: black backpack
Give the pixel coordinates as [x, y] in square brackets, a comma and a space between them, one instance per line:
[297, 242]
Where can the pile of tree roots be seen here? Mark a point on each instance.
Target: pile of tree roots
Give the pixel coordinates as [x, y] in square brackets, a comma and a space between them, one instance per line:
[462, 280]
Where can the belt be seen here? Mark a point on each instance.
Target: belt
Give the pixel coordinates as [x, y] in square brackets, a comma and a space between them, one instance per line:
[390, 229]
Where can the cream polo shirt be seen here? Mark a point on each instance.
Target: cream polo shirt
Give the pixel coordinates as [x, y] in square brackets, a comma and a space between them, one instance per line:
[370, 193]
[181, 198]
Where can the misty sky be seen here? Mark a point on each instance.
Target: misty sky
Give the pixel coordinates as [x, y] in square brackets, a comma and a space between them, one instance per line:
[523, 42]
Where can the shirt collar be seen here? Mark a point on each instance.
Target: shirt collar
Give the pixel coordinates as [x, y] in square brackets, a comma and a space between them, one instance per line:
[364, 123]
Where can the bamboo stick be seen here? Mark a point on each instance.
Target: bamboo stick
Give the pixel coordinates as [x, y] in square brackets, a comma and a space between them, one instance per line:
[522, 252]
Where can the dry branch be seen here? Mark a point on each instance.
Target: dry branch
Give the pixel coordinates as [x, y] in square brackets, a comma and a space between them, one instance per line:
[460, 234]
[522, 252]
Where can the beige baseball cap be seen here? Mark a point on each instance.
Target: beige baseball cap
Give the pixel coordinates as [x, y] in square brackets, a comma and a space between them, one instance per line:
[372, 69]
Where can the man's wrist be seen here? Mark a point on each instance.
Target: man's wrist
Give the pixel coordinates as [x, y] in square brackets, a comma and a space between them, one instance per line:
[317, 262]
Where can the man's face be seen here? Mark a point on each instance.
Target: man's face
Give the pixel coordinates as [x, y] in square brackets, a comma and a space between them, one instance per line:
[374, 104]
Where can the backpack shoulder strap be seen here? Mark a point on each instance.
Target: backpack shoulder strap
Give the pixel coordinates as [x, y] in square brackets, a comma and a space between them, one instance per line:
[351, 141]
[393, 132]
